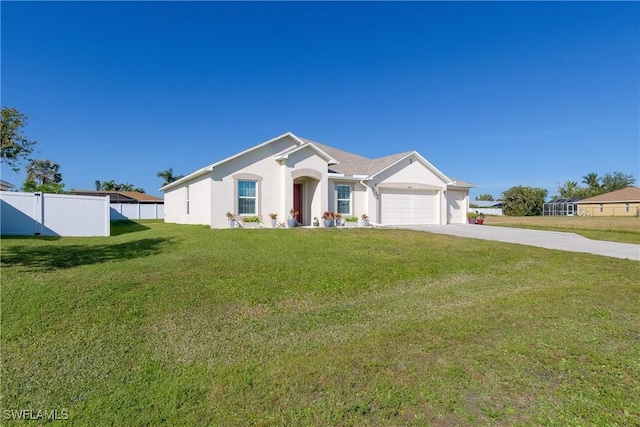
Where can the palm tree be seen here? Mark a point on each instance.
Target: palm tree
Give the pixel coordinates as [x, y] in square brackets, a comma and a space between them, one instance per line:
[168, 176]
[110, 186]
[592, 180]
[569, 189]
[43, 172]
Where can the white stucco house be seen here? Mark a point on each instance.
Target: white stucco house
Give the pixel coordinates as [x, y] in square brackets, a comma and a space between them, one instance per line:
[291, 172]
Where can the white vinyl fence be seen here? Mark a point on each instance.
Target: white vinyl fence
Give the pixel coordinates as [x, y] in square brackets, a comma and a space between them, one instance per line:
[44, 214]
[487, 211]
[137, 211]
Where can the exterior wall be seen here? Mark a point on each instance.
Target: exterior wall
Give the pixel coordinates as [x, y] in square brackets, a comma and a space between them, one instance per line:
[175, 201]
[609, 209]
[359, 197]
[457, 206]
[275, 185]
[409, 170]
[54, 214]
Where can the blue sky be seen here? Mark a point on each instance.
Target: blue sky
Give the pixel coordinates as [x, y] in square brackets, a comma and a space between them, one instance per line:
[495, 93]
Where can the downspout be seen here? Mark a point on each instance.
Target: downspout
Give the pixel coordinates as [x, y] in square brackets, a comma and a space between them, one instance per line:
[374, 192]
[445, 208]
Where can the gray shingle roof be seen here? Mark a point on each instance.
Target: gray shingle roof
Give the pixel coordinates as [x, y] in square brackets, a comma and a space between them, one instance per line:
[353, 164]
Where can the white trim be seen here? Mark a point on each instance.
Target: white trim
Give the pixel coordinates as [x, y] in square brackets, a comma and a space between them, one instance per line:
[285, 155]
[350, 199]
[304, 172]
[238, 181]
[189, 177]
[408, 186]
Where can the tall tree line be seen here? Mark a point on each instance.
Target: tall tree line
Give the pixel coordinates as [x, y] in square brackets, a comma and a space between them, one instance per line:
[595, 185]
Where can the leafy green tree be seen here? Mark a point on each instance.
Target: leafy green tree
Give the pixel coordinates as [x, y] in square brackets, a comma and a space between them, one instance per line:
[617, 181]
[15, 146]
[168, 176]
[523, 201]
[31, 186]
[43, 171]
[485, 197]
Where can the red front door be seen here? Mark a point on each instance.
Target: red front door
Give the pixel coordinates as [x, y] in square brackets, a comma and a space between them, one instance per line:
[297, 201]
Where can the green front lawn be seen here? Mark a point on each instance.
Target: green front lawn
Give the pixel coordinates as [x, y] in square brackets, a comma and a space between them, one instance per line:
[184, 325]
[608, 228]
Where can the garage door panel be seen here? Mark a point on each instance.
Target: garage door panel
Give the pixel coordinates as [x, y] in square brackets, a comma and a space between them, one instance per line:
[405, 208]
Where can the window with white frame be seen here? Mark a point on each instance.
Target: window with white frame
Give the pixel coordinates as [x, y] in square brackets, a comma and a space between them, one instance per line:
[344, 199]
[601, 207]
[247, 196]
[626, 207]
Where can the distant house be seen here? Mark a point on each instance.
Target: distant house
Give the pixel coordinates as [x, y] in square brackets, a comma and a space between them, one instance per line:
[6, 186]
[289, 172]
[121, 196]
[625, 202]
[129, 204]
[561, 207]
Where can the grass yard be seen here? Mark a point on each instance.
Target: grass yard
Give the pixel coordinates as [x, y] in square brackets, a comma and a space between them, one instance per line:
[613, 229]
[183, 325]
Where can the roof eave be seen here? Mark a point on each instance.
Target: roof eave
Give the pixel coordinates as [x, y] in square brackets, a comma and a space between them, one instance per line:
[189, 177]
[330, 160]
[210, 168]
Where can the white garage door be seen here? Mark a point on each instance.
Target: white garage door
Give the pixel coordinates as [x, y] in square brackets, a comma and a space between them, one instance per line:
[408, 207]
[456, 207]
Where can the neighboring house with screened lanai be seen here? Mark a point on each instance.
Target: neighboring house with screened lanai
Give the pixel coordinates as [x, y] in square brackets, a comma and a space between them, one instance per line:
[291, 172]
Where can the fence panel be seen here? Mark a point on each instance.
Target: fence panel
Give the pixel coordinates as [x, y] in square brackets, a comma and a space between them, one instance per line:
[487, 211]
[54, 214]
[137, 211]
[19, 214]
[152, 211]
[71, 215]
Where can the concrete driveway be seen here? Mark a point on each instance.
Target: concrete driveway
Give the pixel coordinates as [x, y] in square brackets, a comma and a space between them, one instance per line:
[545, 239]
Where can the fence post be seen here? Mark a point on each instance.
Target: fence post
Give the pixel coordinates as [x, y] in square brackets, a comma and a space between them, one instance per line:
[39, 212]
[107, 214]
